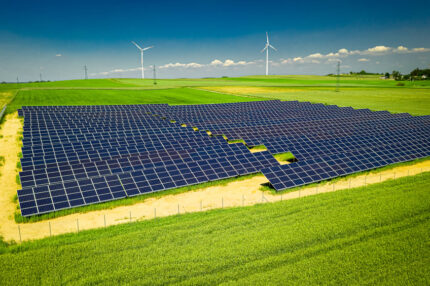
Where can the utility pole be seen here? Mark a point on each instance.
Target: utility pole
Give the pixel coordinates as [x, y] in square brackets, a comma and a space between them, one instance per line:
[40, 77]
[86, 72]
[155, 77]
[338, 76]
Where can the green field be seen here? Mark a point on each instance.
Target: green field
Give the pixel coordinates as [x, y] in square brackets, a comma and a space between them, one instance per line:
[113, 96]
[374, 235]
[359, 92]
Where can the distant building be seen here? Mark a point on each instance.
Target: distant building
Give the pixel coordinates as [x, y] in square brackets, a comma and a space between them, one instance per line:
[423, 76]
[383, 77]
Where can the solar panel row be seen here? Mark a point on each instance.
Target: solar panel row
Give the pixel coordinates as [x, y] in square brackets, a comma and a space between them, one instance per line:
[79, 155]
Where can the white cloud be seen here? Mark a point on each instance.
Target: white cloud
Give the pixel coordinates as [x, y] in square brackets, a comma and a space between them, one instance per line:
[363, 60]
[343, 51]
[298, 60]
[180, 65]
[216, 63]
[378, 49]
[58, 55]
[315, 56]
[420, 50]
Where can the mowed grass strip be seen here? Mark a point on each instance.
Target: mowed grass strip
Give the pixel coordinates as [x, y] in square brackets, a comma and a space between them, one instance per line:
[377, 234]
[109, 97]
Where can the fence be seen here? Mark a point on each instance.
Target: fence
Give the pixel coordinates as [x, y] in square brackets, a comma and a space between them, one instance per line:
[194, 201]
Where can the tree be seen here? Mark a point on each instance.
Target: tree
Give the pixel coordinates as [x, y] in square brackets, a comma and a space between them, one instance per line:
[387, 75]
[397, 75]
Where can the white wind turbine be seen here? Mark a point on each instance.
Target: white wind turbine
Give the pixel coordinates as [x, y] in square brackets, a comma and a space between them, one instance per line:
[141, 55]
[266, 48]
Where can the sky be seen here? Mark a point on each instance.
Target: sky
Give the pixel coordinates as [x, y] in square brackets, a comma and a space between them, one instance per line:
[56, 39]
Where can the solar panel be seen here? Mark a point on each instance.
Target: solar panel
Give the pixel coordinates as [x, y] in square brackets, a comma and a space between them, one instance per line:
[80, 155]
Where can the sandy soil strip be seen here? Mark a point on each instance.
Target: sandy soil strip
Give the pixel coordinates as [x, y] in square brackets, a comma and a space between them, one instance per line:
[234, 194]
[9, 149]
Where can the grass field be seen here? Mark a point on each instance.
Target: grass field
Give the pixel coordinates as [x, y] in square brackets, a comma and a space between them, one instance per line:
[373, 235]
[113, 96]
[359, 92]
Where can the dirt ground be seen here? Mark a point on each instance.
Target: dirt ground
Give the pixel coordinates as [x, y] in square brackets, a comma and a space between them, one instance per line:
[235, 194]
[9, 149]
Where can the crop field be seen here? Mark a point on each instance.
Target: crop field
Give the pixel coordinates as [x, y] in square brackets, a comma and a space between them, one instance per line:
[366, 235]
[371, 235]
[359, 92]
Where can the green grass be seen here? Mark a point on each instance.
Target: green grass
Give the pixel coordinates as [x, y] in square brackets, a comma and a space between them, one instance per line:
[113, 96]
[284, 157]
[412, 100]
[371, 235]
[359, 92]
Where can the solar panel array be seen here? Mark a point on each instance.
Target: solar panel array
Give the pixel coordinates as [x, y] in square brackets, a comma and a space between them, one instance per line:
[80, 155]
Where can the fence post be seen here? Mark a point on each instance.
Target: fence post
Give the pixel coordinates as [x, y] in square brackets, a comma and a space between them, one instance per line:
[317, 189]
[77, 224]
[299, 193]
[50, 232]
[104, 216]
[19, 232]
[281, 197]
[365, 179]
[130, 216]
[333, 187]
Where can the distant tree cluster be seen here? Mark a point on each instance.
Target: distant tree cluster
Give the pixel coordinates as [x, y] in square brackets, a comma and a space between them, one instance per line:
[416, 74]
[363, 72]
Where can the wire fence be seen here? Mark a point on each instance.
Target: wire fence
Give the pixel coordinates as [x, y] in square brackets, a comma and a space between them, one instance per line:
[191, 202]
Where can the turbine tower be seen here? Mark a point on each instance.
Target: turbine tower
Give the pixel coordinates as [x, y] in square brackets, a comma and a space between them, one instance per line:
[141, 56]
[266, 48]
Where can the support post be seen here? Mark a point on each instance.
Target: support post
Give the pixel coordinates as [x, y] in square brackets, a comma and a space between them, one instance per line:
[104, 217]
[50, 232]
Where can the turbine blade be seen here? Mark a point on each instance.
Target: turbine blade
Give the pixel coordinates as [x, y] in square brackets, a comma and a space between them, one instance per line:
[267, 37]
[265, 48]
[273, 47]
[137, 45]
[147, 48]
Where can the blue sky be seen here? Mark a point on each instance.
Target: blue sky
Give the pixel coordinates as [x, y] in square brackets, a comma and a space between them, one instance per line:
[209, 38]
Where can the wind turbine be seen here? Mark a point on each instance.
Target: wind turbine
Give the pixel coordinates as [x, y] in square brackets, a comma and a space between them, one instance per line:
[141, 55]
[266, 48]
